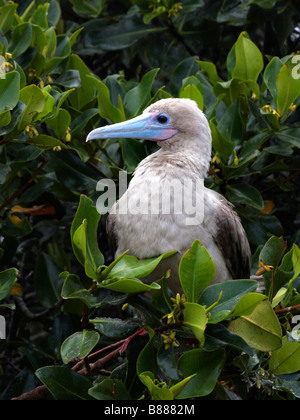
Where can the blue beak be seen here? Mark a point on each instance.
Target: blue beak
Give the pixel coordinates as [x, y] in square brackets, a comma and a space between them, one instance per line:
[145, 127]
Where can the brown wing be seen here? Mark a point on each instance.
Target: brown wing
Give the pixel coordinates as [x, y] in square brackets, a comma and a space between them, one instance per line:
[232, 241]
[111, 234]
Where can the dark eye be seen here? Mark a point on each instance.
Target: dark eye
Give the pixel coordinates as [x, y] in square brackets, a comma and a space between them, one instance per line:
[162, 118]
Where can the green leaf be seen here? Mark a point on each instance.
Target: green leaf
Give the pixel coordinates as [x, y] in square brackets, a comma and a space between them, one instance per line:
[5, 118]
[270, 75]
[39, 39]
[110, 389]
[133, 152]
[196, 271]
[195, 318]
[7, 280]
[87, 251]
[184, 69]
[217, 335]
[261, 330]
[60, 123]
[232, 125]
[192, 92]
[78, 345]
[131, 267]
[83, 95]
[119, 35]
[139, 96]
[232, 89]
[74, 289]
[167, 361]
[271, 254]
[44, 142]
[39, 16]
[114, 327]
[51, 43]
[80, 122]
[220, 144]
[64, 383]
[69, 79]
[246, 305]
[286, 359]
[157, 391]
[35, 101]
[4, 171]
[21, 39]
[47, 280]
[248, 59]
[7, 16]
[211, 71]
[245, 194]
[288, 89]
[128, 285]
[232, 291]
[206, 365]
[291, 136]
[9, 91]
[296, 261]
[106, 109]
[146, 360]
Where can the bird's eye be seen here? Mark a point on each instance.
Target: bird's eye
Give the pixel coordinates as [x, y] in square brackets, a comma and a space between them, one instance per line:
[162, 118]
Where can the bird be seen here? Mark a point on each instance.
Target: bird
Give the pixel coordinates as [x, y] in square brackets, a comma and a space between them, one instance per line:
[182, 132]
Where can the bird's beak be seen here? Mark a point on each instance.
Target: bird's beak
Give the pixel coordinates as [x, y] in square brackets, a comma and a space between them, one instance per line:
[145, 127]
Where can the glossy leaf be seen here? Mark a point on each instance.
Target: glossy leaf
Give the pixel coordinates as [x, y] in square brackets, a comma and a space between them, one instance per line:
[47, 280]
[206, 365]
[110, 389]
[128, 285]
[9, 91]
[288, 89]
[195, 318]
[63, 383]
[131, 267]
[78, 345]
[114, 327]
[286, 359]
[245, 194]
[196, 271]
[248, 59]
[8, 278]
[74, 289]
[261, 330]
[84, 236]
[21, 39]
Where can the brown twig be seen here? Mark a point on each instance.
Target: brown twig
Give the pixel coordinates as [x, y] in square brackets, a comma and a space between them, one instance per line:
[96, 367]
[111, 346]
[287, 309]
[99, 364]
[35, 394]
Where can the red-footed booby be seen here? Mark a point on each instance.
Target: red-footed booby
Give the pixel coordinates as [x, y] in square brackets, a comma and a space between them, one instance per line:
[181, 130]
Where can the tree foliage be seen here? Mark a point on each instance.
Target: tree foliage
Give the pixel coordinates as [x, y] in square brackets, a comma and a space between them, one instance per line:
[79, 324]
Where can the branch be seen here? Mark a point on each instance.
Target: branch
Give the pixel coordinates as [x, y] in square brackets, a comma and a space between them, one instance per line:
[96, 367]
[288, 309]
[30, 315]
[40, 392]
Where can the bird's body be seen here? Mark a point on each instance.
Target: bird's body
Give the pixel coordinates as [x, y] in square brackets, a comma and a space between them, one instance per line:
[147, 232]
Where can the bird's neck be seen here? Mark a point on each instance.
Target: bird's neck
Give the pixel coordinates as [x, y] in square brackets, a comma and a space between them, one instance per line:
[177, 161]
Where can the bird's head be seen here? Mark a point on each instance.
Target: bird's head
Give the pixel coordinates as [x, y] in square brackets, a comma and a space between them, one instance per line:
[173, 123]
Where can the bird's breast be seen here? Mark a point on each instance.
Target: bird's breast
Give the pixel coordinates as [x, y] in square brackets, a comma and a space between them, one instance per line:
[160, 213]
